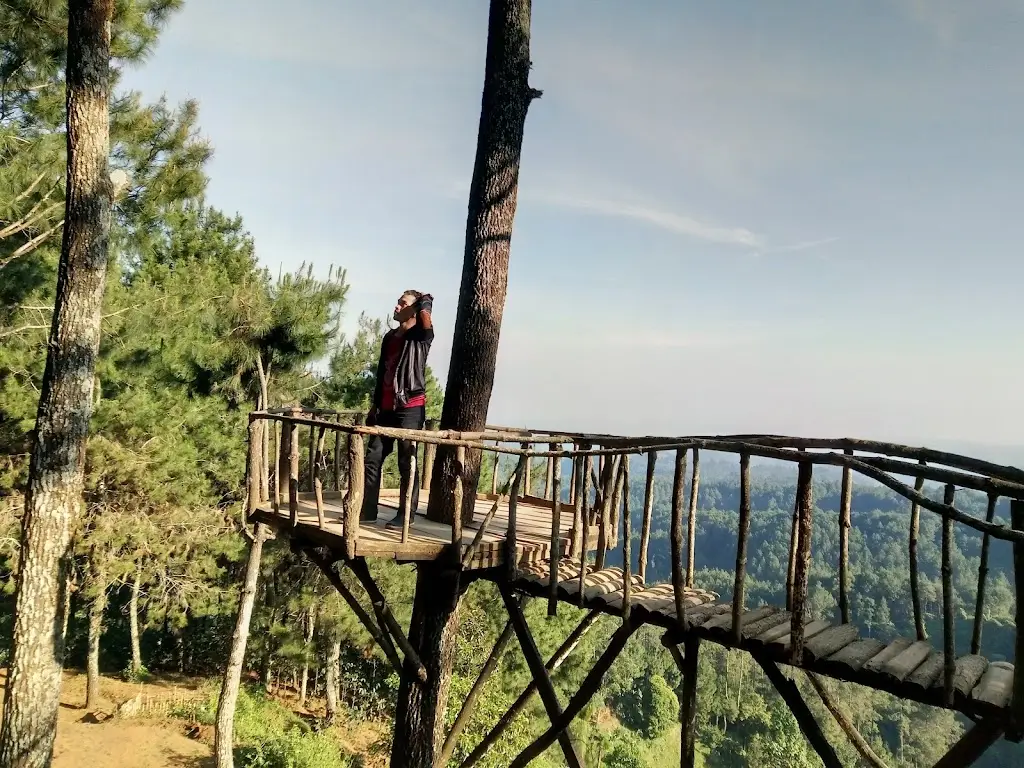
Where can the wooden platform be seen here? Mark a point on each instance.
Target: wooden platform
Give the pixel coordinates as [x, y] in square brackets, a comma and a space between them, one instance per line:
[905, 668]
[427, 539]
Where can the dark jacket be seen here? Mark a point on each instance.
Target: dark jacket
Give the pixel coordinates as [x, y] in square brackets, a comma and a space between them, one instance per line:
[411, 371]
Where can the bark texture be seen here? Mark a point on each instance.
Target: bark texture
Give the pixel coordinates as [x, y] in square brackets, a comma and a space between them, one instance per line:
[420, 719]
[133, 622]
[224, 730]
[65, 405]
[333, 679]
[97, 605]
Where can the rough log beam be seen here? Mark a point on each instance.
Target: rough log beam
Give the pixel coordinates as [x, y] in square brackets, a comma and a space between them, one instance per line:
[462, 719]
[845, 723]
[687, 664]
[385, 618]
[536, 664]
[554, 662]
[590, 685]
[382, 638]
[972, 745]
[791, 695]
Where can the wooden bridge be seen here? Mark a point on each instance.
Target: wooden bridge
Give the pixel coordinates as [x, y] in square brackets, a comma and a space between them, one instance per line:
[555, 546]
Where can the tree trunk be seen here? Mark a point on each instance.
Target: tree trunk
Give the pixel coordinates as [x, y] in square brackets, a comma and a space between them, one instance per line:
[32, 698]
[304, 684]
[133, 622]
[420, 719]
[333, 676]
[224, 730]
[97, 606]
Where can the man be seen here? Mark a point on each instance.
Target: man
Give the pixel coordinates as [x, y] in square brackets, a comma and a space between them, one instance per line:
[399, 400]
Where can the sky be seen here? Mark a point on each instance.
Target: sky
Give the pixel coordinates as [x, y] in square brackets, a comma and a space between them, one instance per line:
[793, 218]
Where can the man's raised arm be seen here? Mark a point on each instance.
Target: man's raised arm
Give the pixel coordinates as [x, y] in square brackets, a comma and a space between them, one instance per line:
[424, 305]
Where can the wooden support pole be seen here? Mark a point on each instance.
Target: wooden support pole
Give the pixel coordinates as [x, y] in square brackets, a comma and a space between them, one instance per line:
[549, 477]
[337, 459]
[462, 719]
[691, 519]
[293, 472]
[576, 492]
[627, 535]
[791, 695]
[536, 664]
[915, 593]
[1017, 699]
[528, 478]
[429, 455]
[794, 536]
[948, 625]
[590, 686]
[588, 466]
[460, 480]
[802, 571]
[280, 469]
[511, 560]
[972, 745]
[609, 476]
[645, 529]
[846, 724]
[252, 466]
[979, 606]
[678, 577]
[687, 663]
[556, 534]
[310, 455]
[845, 505]
[739, 601]
[494, 472]
[554, 663]
[386, 619]
[318, 486]
[354, 495]
[616, 505]
[381, 637]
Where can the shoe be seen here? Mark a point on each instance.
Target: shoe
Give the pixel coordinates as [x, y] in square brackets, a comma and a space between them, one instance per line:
[395, 524]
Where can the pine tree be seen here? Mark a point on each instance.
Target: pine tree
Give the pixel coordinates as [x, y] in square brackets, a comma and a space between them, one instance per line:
[58, 452]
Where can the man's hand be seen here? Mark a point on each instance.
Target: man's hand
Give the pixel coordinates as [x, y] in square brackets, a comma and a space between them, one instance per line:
[424, 305]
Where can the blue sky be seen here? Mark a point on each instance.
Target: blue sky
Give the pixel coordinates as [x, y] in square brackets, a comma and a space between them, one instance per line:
[795, 217]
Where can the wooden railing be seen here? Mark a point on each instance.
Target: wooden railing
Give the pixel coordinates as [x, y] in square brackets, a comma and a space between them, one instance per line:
[598, 493]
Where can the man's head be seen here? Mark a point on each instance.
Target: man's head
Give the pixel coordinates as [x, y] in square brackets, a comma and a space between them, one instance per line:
[405, 307]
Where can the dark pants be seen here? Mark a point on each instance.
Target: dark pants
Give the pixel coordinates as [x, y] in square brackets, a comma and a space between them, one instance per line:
[378, 449]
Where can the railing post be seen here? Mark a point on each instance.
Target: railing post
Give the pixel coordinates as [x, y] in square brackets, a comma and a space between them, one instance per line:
[691, 519]
[293, 468]
[318, 486]
[555, 475]
[743, 534]
[1017, 701]
[627, 535]
[948, 619]
[549, 478]
[645, 529]
[802, 559]
[460, 471]
[529, 471]
[494, 473]
[678, 499]
[845, 505]
[511, 534]
[429, 453]
[280, 466]
[354, 495]
[253, 463]
[915, 595]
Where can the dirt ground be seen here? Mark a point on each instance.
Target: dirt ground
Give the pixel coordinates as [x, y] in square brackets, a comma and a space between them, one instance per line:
[83, 743]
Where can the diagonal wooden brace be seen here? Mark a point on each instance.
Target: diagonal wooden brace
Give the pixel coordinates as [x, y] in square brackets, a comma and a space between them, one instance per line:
[590, 686]
[567, 647]
[536, 663]
[805, 719]
[381, 638]
[385, 618]
[972, 745]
